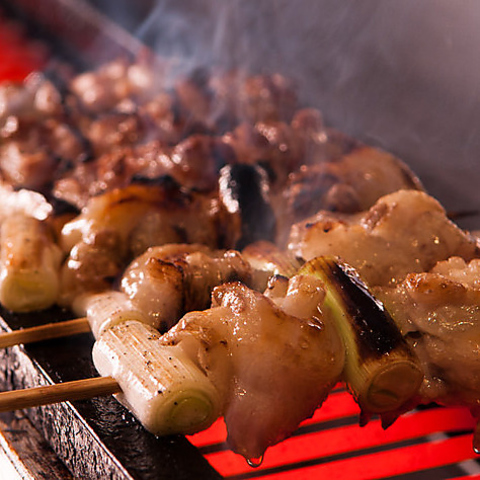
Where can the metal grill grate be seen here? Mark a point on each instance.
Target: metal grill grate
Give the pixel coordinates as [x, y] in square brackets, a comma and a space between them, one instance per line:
[427, 443]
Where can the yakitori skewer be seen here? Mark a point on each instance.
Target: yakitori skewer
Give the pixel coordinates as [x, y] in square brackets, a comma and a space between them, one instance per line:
[163, 387]
[103, 311]
[161, 285]
[236, 358]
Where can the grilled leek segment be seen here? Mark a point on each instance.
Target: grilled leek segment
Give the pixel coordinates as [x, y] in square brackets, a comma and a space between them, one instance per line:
[162, 387]
[381, 370]
[29, 265]
[105, 309]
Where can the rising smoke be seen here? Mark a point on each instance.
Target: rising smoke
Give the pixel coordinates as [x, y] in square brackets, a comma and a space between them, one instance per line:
[401, 75]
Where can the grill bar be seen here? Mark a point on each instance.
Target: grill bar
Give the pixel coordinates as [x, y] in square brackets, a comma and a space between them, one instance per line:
[332, 444]
[384, 464]
[350, 441]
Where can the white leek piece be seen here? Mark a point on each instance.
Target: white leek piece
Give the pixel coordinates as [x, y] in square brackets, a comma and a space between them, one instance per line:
[29, 265]
[106, 309]
[161, 385]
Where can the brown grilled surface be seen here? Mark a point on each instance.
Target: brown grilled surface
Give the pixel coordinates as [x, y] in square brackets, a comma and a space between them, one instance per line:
[97, 438]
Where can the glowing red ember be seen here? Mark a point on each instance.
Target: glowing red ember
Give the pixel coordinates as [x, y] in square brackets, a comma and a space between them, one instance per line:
[19, 55]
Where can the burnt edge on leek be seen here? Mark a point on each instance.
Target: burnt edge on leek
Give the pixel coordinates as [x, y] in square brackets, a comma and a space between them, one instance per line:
[381, 370]
[371, 320]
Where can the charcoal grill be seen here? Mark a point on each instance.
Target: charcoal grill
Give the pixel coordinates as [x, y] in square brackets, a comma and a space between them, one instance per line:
[100, 439]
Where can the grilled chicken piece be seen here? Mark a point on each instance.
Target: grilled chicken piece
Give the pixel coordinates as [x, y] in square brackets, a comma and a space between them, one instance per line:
[32, 155]
[90, 267]
[168, 281]
[265, 98]
[404, 232]
[168, 126]
[273, 145]
[114, 130]
[141, 214]
[38, 138]
[319, 142]
[31, 100]
[194, 163]
[272, 367]
[282, 148]
[165, 282]
[350, 183]
[103, 89]
[123, 223]
[194, 97]
[24, 166]
[439, 314]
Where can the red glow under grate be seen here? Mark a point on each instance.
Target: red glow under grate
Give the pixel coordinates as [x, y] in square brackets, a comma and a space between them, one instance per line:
[19, 55]
[332, 445]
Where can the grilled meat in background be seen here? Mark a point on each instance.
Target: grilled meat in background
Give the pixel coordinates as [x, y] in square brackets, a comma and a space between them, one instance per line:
[400, 76]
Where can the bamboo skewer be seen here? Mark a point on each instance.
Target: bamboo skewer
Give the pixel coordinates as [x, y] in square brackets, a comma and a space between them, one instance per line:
[162, 386]
[44, 332]
[60, 392]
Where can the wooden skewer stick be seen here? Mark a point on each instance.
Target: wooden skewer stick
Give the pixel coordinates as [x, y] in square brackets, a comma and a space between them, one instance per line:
[44, 332]
[60, 392]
